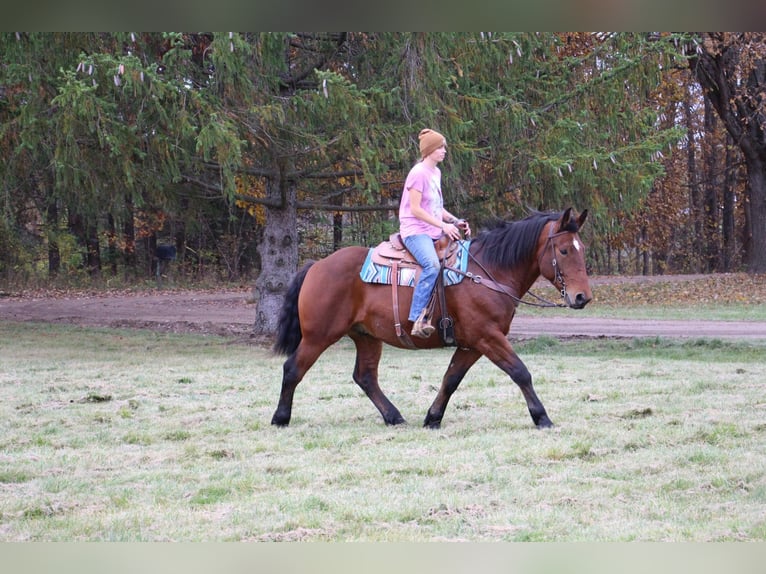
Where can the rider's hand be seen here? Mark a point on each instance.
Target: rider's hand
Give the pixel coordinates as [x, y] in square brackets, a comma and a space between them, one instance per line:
[451, 230]
[462, 224]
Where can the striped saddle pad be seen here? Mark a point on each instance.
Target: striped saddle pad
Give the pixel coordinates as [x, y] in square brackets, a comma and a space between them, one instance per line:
[375, 271]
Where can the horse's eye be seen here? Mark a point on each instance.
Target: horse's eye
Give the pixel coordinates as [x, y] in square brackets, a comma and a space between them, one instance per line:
[564, 251]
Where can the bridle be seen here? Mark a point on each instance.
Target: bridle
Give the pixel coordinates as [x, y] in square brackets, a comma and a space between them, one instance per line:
[495, 285]
[557, 275]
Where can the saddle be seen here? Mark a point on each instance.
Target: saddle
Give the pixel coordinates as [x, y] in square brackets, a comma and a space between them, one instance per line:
[393, 250]
[394, 254]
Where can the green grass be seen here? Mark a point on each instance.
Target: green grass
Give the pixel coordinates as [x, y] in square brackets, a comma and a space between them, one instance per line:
[134, 436]
[721, 312]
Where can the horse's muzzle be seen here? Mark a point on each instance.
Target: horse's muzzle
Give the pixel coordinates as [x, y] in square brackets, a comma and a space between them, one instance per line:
[579, 301]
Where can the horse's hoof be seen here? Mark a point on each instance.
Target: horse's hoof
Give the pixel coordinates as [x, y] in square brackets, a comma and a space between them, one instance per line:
[280, 421]
[546, 424]
[396, 421]
[432, 423]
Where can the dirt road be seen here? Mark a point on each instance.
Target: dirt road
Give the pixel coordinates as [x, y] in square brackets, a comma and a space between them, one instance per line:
[231, 313]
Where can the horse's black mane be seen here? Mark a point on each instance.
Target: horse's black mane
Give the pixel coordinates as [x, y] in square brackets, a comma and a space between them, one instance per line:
[512, 242]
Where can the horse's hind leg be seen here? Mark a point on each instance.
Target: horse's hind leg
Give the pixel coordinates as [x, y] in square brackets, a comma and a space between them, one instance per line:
[293, 370]
[462, 360]
[368, 352]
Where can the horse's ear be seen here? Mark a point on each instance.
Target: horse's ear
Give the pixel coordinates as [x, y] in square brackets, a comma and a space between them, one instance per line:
[581, 219]
[565, 219]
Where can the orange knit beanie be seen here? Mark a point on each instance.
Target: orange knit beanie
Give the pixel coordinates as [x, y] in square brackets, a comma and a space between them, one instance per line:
[430, 140]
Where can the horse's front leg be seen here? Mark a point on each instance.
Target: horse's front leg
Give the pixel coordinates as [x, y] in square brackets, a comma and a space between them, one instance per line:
[499, 351]
[462, 360]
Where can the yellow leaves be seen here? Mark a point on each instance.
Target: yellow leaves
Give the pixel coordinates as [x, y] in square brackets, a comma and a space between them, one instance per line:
[148, 221]
[247, 186]
[458, 67]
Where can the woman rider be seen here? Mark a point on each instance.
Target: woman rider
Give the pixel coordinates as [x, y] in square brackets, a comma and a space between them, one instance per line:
[422, 220]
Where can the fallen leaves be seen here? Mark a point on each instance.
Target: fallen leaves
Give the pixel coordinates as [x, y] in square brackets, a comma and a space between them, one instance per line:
[724, 288]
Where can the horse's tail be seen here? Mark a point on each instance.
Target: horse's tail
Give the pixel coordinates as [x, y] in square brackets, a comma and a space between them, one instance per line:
[289, 327]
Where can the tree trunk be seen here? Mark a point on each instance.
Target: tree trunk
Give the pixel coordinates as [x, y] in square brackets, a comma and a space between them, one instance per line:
[746, 236]
[278, 253]
[54, 254]
[180, 242]
[87, 235]
[112, 244]
[129, 237]
[695, 207]
[712, 185]
[727, 214]
[93, 246]
[150, 254]
[737, 104]
[644, 251]
[608, 255]
[337, 227]
[756, 175]
[337, 231]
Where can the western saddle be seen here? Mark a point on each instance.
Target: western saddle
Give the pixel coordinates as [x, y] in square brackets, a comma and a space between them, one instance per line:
[394, 254]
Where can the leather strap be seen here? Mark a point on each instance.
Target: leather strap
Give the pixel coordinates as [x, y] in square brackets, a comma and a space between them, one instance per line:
[400, 333]
[479, 280]
[395, 296]
[445, 323]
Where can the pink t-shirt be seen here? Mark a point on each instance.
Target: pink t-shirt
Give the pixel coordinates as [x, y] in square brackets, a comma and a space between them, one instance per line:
[428, 182]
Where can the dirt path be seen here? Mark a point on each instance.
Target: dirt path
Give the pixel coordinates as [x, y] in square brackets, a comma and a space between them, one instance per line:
[231, 313]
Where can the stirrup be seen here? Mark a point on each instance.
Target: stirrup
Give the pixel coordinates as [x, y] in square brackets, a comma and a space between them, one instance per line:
[422, 328]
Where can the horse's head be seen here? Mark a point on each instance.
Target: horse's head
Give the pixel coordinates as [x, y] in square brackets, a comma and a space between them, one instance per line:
[561, 258]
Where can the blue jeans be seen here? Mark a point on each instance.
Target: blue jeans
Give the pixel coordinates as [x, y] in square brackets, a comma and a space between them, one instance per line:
[422, 249]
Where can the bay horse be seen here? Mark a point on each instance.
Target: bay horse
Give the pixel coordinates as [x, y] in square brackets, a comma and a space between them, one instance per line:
[327, 300]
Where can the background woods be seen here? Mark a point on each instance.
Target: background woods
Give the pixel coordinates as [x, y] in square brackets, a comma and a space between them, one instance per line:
[244, 154]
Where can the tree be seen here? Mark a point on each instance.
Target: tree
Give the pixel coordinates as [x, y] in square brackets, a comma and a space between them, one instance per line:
[731, 68]
[27, 85]
[532, 120]
[100, 128]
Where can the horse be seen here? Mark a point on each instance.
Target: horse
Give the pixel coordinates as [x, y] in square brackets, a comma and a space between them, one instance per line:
[327, 300]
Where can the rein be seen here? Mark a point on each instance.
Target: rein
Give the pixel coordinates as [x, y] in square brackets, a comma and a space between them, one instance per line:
[495, 285]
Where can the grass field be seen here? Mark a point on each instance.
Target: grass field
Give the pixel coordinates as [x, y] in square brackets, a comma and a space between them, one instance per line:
[135, 436]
